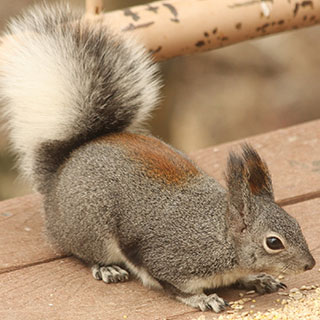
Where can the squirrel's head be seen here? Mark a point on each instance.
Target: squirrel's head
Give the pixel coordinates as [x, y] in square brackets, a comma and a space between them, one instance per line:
[267, 239]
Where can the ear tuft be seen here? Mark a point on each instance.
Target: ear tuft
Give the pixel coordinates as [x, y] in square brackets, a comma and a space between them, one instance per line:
[236, 180]
[259, 178]
[247, 175]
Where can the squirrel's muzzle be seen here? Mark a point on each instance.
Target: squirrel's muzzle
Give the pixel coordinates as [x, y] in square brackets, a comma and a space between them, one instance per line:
[310, 264]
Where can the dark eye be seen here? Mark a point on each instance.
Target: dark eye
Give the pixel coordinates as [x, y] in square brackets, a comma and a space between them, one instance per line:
[274, 243]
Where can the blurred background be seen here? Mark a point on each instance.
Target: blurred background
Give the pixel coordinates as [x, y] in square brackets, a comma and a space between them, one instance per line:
[219, 96]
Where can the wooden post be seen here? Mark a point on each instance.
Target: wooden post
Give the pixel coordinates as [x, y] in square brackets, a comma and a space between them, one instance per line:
[94, 6]
[177, 27]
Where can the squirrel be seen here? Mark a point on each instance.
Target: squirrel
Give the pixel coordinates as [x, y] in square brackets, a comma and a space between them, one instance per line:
[76, 96]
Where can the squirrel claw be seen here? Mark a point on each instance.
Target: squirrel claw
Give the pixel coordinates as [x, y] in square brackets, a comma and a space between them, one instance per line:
[205, 302]
[109, 274]
[282, 285]
[261, 283]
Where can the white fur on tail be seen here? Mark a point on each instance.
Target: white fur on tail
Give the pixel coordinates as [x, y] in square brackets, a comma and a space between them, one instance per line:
[42, 80]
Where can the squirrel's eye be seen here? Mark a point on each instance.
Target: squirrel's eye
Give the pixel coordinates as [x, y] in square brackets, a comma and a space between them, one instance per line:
[274, 243]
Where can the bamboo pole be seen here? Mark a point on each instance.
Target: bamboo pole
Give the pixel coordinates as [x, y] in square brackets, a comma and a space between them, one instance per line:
[94, 6]
[177, 27]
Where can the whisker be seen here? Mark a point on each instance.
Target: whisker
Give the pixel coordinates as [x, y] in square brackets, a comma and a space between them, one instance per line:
[315, 248]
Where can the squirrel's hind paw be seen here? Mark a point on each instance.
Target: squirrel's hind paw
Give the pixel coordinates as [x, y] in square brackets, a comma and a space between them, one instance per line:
[203, 302]
[261, 283]
[109, 274]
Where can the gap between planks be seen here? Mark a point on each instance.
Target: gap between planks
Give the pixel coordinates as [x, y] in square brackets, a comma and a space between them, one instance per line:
[28, 265]
[282, 203]
[298, 199]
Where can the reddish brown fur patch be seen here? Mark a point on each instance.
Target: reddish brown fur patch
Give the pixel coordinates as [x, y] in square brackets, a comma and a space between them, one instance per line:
[258, 179]
[258, 174]
[155, 157]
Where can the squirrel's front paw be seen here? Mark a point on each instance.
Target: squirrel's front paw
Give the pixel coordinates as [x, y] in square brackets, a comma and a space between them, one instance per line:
[203, 302]
[109, 274]
[261, 283]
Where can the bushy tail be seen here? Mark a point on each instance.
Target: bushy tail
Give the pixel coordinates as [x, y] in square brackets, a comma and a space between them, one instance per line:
[66, 80]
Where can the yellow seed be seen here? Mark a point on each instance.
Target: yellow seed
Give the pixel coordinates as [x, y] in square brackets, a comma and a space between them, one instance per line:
[250, 292]
[125, 317]
[253, 300]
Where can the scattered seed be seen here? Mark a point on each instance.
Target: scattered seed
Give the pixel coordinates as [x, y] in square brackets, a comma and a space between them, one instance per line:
[297, 296]
[238, 307]
[230, 311]
[250, 292]
[303, 303]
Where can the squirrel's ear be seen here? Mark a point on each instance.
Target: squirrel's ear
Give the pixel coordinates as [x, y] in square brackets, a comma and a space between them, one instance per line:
[246, 176]
[259, 179]
[237, 182]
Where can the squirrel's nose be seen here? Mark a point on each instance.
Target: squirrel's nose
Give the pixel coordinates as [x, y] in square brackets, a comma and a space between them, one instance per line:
[310, 265]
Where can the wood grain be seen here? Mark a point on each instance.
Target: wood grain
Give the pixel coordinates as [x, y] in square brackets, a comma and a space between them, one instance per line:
[22, 240]
[38, 283]
[65, 289]
[294, 173]
[292, 154]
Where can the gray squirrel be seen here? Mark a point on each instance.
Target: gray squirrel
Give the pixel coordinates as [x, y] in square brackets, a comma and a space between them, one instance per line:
[76, 95]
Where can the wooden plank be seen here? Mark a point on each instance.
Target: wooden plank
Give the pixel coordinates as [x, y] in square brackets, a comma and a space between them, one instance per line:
[292, 154]
[65, 289]
[22, 241]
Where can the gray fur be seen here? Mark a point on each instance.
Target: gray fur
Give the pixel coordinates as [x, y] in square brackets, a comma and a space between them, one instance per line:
[111, 201]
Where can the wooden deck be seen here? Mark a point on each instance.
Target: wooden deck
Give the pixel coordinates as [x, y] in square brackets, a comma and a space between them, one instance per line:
[38, 283]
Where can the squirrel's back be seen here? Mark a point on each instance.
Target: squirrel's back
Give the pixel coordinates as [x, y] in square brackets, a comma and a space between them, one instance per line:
[66, 80]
